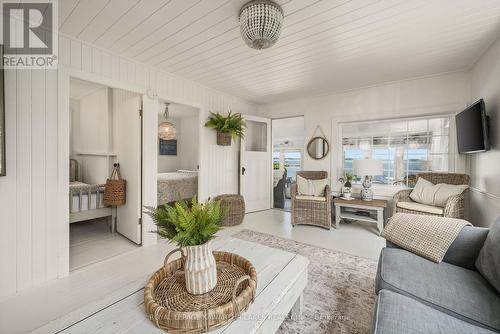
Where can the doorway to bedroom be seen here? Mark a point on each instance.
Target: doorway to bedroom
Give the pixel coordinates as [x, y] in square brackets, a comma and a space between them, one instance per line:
[288, 156]
[105, 132]
[178, 152]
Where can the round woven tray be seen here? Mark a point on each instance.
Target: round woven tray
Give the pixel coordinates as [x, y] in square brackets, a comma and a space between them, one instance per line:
[173, 309]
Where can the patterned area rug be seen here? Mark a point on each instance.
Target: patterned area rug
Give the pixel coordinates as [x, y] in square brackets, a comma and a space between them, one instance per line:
[340, 294]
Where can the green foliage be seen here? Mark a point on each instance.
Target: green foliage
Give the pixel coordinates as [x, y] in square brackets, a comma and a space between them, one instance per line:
[349, 177]
[187, 226]
[233, 124]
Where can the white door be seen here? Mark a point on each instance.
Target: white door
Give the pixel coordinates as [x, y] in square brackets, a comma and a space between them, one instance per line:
[127, 142]
[255, 164]
[150, 109]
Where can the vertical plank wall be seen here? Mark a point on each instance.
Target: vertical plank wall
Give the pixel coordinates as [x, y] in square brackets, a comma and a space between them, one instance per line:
[34, 243]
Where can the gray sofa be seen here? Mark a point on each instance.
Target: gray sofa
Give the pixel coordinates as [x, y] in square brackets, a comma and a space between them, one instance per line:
[419, 296]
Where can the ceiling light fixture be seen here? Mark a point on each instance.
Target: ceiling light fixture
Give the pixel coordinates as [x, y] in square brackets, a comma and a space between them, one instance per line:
[260, 23]
[166, 130]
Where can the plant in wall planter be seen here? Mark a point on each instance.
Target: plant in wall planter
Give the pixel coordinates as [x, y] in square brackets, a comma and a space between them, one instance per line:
[227, 127]
[192, 229]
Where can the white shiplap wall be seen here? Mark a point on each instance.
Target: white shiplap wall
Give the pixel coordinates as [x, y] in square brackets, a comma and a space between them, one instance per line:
[484, 205]
[34, 243]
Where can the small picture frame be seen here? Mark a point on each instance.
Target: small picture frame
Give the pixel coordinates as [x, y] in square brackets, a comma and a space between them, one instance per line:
[168, 147]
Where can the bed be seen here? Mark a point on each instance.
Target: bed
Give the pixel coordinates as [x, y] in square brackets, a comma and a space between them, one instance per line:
[173, 186]
[86, 200]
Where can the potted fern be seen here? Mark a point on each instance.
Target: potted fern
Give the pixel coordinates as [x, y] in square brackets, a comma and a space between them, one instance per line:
[227, 127]
[192, 229]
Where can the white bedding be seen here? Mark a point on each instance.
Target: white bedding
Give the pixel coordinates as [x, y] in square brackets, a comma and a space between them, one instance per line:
[75, 198]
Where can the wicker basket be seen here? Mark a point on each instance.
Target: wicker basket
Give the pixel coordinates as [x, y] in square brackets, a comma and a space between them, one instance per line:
[223, 139]
[173, 309]
[233, 207]
[115, 191]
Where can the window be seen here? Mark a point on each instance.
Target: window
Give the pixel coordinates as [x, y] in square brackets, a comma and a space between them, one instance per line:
[290, 158]
[406, 146]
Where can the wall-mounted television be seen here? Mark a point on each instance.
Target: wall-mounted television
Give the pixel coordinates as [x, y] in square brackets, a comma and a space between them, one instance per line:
[472, 129]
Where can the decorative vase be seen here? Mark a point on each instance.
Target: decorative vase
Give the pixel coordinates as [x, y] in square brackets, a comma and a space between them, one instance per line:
[223, 138]
[200, 269]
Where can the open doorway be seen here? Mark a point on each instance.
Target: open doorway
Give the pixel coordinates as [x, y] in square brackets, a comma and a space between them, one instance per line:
[288, 153]
[105, 129]
[178, 152]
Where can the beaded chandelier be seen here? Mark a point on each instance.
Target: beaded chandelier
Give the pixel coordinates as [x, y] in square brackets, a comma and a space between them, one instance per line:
[260, 23]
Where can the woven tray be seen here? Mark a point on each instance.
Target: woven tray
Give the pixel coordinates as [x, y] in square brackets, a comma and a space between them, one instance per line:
[173, 309]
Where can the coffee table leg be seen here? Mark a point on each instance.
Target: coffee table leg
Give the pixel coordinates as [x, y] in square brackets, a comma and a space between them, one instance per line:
[296, 311]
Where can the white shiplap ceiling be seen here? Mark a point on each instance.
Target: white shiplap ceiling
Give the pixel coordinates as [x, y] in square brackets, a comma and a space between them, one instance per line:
[325, 45]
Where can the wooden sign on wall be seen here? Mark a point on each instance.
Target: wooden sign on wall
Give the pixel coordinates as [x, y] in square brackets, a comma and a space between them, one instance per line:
[168, 147]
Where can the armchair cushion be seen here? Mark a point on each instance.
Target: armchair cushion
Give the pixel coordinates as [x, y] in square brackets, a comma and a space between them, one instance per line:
[488, 261]
[311, 187]
[311, 198]
[425, 192]
[434, 210]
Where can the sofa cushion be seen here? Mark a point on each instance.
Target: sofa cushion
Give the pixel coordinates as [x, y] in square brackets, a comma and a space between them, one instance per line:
[488, 261]
[420, 207]
[457, 291]
[311, 198]
[396, 314]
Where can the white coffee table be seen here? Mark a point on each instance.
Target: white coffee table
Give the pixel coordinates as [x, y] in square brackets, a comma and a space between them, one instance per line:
[281, 279]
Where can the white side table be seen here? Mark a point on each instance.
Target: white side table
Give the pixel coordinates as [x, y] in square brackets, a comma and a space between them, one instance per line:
[374, 207]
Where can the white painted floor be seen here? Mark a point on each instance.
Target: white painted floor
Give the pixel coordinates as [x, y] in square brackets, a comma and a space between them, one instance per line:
[357, 238]
[91, 288]
[92, 242]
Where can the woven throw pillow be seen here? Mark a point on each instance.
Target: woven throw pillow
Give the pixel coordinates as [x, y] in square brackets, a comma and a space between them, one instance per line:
[426, 236]
[488, 261]
[311, 187]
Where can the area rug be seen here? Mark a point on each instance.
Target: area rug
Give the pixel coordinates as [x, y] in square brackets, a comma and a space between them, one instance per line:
[340, 294]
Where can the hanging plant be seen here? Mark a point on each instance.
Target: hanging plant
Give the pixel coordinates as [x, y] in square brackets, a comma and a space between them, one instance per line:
[227, 127]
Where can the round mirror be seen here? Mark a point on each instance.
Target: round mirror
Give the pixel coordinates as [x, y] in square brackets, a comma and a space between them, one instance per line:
[318, 148]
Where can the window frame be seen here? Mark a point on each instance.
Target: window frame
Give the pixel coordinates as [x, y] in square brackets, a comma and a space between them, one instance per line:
[451, 138]
[283, 150]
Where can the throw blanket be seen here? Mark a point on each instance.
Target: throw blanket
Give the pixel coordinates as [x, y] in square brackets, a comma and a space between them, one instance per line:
[426, 236]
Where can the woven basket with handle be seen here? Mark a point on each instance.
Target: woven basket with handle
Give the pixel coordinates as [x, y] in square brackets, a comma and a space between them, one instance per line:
[115, 191]
[173, 309]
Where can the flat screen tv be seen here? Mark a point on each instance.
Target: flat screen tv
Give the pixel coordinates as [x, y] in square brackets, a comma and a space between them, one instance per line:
[472, 129]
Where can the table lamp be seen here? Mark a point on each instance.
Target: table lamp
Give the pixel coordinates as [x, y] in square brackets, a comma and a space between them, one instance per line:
[367, 168]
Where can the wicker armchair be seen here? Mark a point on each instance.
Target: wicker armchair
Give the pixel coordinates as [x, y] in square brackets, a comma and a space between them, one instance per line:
[312, 212]
[455, 205]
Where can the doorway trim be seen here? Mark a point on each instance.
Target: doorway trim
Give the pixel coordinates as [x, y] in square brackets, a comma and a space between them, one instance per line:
[64, 76]
[272, 144]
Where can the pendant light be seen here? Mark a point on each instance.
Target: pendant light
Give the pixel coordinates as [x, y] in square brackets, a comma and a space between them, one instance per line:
[166, 130]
